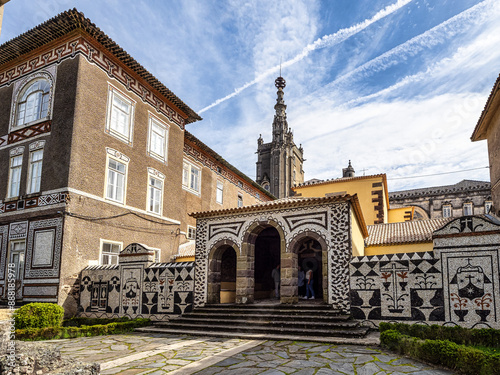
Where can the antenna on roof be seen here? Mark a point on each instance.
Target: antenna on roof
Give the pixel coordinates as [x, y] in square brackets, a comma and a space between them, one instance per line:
[280, 64]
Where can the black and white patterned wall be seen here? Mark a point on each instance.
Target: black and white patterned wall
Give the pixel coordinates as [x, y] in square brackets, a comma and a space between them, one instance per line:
[456, 284]
[156, 291]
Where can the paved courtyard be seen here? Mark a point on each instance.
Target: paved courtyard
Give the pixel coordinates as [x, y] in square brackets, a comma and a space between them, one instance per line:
[153, 354]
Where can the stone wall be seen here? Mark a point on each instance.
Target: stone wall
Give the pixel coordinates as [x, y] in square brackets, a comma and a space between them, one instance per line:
[456, 284]
[137, 288]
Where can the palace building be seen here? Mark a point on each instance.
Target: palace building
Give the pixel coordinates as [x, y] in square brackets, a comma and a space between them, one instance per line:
[94, 156]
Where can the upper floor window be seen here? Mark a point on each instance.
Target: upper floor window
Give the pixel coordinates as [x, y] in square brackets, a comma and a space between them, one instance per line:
[155, 195]
[33, 102]
[191, 176]
[191, 234]
[447, 210]
[120, 117]
[158, 139]
[468, 209]
[240, 184]
[109, 252]
[16, 164]
[220, 192]
[240, 200]
[35, 171]
[487, 207]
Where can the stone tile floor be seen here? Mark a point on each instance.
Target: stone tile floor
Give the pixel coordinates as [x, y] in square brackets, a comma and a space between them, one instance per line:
[153, 354]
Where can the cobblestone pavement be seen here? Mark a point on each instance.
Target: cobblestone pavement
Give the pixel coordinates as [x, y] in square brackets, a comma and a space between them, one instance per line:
[154, 354]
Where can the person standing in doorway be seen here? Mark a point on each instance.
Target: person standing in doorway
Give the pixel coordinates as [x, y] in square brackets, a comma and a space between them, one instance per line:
[277, 278]
[300, 281]
[309, 284]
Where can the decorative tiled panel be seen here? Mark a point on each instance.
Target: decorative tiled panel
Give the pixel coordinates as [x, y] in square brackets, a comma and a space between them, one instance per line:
[40, 201]
[154, 292]
[404, 287]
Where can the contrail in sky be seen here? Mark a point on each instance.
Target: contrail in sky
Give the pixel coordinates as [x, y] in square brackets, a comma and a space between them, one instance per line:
[325, 41]
[477, 14]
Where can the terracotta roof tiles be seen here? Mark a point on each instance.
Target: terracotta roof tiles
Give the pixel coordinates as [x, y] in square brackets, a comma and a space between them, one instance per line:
[406, 232]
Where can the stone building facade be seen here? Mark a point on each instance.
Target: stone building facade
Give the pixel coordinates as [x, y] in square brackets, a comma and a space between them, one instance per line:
[280, 162]
[95, 156]
[488, 127]
[465, 198]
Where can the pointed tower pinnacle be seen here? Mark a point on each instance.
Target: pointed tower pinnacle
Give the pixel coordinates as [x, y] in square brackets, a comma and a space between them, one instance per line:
[280, 125]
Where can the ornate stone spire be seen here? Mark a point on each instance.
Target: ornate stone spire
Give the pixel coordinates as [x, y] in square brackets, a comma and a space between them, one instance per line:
[280, 125]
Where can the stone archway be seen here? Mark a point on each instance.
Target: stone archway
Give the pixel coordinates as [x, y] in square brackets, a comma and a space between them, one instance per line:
[311, 251]
[246, 278]
[219, 262]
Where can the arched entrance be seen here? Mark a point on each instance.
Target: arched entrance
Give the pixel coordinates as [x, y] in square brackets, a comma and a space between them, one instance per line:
[267, 257]
[222, 264]
[310, 257]
[228, 276]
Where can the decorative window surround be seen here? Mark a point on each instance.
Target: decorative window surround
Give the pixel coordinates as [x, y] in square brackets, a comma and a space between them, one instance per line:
[120, 115]
[240, 200]
[45, 103]
[35, 171]
[158, 138]
[468, 209]
[447, 212]
[155, 191]
[191, 177]
[115, 187]
[15, 169]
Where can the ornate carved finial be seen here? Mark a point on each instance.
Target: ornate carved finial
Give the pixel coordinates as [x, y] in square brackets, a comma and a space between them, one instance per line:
[280, 82]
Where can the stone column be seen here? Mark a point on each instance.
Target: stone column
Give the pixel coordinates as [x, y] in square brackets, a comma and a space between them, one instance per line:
[289, 273]
[245, 277]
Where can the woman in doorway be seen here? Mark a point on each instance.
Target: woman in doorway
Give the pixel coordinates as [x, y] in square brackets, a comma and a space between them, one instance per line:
[309, 284]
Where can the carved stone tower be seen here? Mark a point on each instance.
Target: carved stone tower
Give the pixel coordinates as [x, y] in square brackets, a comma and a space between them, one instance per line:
[279, 163]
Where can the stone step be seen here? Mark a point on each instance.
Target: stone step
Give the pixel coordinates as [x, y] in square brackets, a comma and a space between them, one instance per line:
[195, 321]
[369, 339]
[188, 327]
[309, 317]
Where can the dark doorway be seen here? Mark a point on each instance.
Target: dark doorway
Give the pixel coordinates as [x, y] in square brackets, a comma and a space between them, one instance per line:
[310, 258]
[267, 257]
[228, 276]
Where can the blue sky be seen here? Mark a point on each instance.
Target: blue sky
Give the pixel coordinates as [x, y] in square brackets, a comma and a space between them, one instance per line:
[397, 86]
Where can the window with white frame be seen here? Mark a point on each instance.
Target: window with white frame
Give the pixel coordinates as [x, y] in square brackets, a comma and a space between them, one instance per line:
[220, 192]
[33, 102]
[240, 200]
[191, 177]
[158, 139]
[116, 180]
[16, 164]
[487, 207]
[447, 210]
[109, 252]
[157, 255]
[155, 195]
[191, 233]
[120, 118]
[35, 171]
[468, 209]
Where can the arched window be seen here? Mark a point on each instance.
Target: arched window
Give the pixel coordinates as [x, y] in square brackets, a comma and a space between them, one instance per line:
[33, 102]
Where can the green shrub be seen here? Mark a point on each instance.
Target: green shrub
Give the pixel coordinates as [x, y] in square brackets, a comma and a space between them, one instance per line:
[463, 359]
[39, 315]
[459, 335]
[48, 333]
[82, 321]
